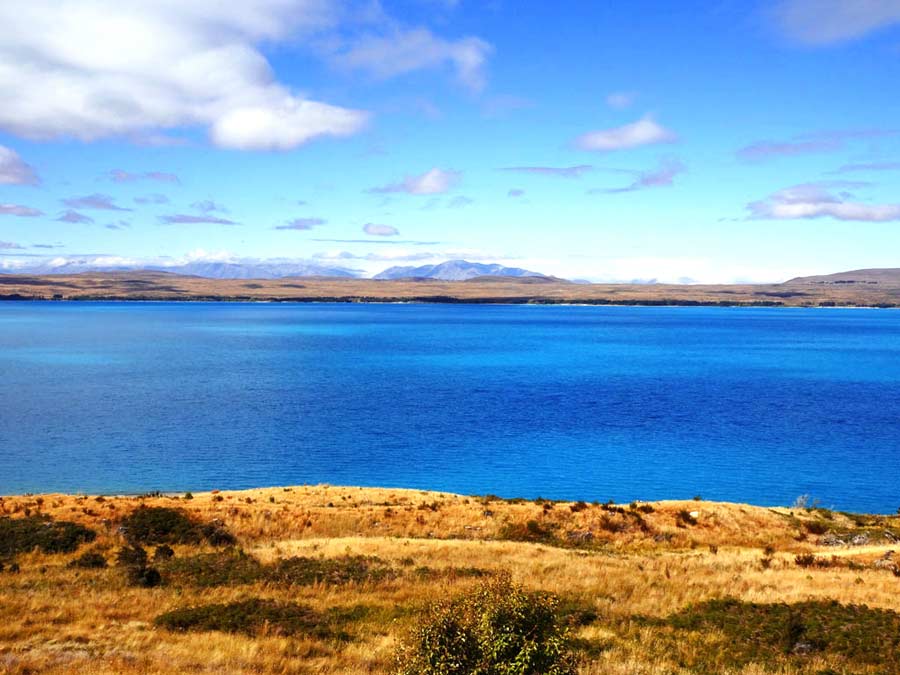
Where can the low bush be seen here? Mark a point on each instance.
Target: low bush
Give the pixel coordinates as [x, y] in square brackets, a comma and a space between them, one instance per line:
[145, 577]
[248, 616]
[162, 553]
[22, 535]
[530, 531]
[498, 629]
[768, 632]
[302, 571]
[89, 560]
[163, 525]
[684, 518]
[816, 527]
[132, 556]
[226, 568]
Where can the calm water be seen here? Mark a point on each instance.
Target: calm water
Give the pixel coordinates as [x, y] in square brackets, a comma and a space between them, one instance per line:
[756, 405]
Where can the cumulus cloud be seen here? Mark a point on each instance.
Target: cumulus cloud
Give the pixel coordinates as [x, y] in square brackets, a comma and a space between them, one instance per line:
[619, 100]
[19, 210]
[433, 182]
[377, 230]
[645, 131]
[405, 50]
[94, 201]
[560, 171]
[72, 216]
[662, 176]
[14, 171]
[818, 200]
[826, 22]
[515, 192]
[120, 176]
[152, 199]
[91, 70]
[191, 219]
[301, 224]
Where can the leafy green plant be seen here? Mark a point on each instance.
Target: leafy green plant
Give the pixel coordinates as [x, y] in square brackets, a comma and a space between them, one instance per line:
[498, 629]
[89, 560]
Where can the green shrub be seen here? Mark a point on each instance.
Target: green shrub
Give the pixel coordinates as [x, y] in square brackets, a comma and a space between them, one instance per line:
[89, 560]
[302, 571]
[163, 525]
[22, 535]
[816, 527]
[226, 568]
[531, 531]
[768, 632]
[145, 577]
[163, 552]
[132, 556]
[499, 629]
[248, 616]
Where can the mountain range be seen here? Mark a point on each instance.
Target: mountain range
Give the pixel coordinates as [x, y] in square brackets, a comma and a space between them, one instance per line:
[452, 270]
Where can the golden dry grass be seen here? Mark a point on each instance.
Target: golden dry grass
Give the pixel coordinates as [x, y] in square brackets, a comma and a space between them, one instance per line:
[163, 286]
[56, 619]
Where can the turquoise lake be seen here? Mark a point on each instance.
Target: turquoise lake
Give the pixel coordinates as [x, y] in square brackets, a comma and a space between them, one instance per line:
[756, 405]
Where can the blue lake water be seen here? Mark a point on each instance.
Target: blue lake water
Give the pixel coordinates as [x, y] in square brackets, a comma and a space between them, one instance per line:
[757, 405]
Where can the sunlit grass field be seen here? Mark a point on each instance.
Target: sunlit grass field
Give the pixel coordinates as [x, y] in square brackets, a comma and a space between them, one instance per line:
[635, 584]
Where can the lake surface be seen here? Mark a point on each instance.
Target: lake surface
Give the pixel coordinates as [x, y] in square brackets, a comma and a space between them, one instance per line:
[756, 405]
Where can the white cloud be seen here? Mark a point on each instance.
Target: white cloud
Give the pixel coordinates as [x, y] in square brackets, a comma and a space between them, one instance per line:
[406, 50]
[120, 176]
[433, 182]
[90, 69]
[824, 22]
[662, 176]
[816, 200]
[377, 230]
[13, 171]
[645, 131]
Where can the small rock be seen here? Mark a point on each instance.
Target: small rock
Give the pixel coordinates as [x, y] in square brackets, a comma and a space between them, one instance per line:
[580, 536]
[488, 513]
[891, 537]
[831, 540]
[859, 540]
[694, 514]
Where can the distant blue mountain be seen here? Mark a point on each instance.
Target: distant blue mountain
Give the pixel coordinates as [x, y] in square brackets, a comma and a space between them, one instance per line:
[455, 270]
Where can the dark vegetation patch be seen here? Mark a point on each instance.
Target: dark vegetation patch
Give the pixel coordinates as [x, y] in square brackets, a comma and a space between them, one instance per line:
[163, 525]
[90, 560]
[425, 573]
[769, 632]
[531, 531]
[225, 568]
[250, 617]
[302, 571]
[496, 629]
[233, 567]
[22, 535]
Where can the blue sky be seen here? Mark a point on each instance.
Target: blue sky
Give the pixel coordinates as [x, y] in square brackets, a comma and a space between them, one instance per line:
[711, 141]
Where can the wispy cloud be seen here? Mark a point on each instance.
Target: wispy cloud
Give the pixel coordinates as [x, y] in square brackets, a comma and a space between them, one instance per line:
[868, 166]
[208, 206]
[410, 242]
[301, 224]
[72, 216]
[558, 171]
[404, 50]
[432, 182]
[827, 22]
[10, 246]
[189, 219]
[645, 131]
[818, 200]
[19, 210]
[94, 201]
[14, 171]
[662, 176]
[816, 142]
[152, 199]
[619, 100]
[377, 230]
[459, 202]
[120, 176]
[515, 192]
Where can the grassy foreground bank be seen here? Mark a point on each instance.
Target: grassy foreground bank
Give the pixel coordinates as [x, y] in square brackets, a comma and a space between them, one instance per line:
[334, 579]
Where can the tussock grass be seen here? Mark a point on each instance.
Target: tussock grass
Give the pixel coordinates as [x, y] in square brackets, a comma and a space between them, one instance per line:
[373, 562]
